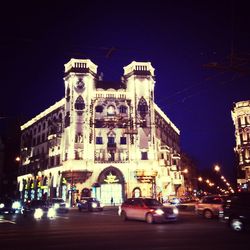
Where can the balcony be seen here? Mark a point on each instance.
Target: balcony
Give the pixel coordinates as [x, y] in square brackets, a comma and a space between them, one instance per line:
[147, 176]
[165, 148]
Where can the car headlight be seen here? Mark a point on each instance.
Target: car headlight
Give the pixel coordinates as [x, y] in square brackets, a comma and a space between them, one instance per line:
[38, 213]
[56, 205]
[51, 212]
[1, 205]
[175, 211]
[94, 205]
[16, 205]
[159, 212]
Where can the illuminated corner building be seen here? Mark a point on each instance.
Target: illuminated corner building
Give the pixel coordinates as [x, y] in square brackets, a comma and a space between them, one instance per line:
[241, 119]
[102, 140]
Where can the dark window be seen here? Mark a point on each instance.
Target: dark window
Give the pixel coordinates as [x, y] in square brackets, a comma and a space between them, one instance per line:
[142, 107]
[98, 140]
[38, 139]
[123, 140]
[111, 140]
[123, 109]
[144, 155]
[99, 109]
[79, 104]
[239, 122]
[52, 161]
[43, 137]
[58, 160]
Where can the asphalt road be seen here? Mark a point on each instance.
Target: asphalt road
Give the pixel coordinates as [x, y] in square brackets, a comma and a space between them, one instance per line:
[105, 230]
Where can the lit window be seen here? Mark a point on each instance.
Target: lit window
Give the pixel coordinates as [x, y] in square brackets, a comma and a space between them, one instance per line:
[111, 110]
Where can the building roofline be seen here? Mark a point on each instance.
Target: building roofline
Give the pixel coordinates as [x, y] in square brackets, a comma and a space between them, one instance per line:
[166, 118]
[43, 114]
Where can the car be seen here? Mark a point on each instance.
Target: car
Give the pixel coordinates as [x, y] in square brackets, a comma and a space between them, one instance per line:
[60, 205]
[38, 209]
[236, 211]
[147, 209]
[89, 204]
[210, 206]
[10, 206]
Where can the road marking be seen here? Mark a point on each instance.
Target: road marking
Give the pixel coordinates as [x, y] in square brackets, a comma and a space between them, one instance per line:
[7, 221]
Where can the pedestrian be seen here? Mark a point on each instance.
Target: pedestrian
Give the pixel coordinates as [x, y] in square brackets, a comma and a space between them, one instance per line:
[111, 200]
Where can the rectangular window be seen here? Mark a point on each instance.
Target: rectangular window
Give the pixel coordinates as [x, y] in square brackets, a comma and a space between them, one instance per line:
[58, 160]
[52, 161]
[98, 140]
[111, 140]
[123, 140]
[144, 155]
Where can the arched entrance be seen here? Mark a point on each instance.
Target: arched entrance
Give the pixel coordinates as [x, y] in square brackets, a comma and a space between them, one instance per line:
[111, 190]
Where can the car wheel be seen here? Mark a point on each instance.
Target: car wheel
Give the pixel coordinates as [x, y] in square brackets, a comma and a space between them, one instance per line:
[208, 214]
[124, 216]
[237, 225]
[149, 218]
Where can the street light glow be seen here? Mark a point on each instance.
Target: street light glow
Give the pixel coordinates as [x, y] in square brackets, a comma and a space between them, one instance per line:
[217, 168]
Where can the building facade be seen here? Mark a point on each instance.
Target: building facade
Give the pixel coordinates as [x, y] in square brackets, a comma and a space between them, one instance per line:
[241, 119]
[110, 141]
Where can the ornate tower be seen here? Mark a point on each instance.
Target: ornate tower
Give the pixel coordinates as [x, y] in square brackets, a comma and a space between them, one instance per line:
[139, 79]
[80, 77]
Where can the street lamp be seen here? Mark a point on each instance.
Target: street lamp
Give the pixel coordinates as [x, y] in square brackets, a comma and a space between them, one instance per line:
[185, 171]
[217, 168]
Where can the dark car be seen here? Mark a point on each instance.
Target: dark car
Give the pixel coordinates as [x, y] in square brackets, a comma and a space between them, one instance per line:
[60, 205]
[210, 206]
[236, 211]
[147, 209]
[10, 206]
[89, 204]
[38, 209]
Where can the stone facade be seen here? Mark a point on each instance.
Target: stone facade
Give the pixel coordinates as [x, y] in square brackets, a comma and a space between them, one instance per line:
[106, 140]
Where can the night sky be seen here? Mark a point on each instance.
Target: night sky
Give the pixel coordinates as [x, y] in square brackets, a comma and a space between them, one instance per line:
[179, 38]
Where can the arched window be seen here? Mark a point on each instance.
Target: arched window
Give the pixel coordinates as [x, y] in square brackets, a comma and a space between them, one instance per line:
[142, 107]
[136, 192]
[111, 110]
[79, 104]
[99, 109]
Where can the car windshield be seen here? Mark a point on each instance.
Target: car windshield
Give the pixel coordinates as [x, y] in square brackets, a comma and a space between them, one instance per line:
[152, 202]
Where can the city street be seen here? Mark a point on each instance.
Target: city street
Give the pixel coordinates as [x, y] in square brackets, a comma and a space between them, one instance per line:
[105, 230]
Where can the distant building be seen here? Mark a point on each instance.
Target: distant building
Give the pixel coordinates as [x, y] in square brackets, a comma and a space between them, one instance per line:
[106, 140]
[241, 119]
